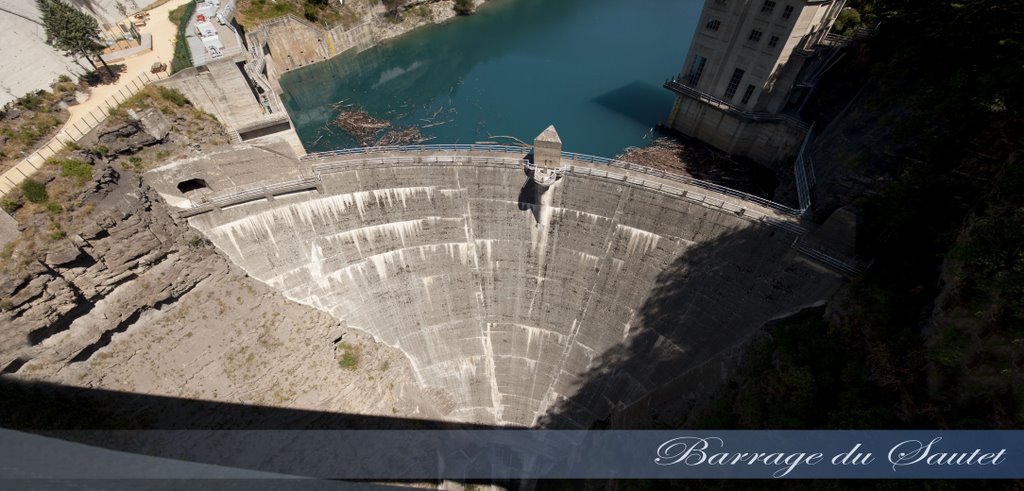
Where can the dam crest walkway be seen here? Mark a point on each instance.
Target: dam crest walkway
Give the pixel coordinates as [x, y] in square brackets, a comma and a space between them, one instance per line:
[707, 193]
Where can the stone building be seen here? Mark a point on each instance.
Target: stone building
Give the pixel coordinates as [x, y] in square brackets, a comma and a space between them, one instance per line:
[751, 66]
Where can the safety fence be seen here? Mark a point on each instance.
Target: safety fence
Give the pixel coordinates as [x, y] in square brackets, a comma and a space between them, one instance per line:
[73, 131]
[803, 173]
[851, 270]
[463, 147]
[245, 196]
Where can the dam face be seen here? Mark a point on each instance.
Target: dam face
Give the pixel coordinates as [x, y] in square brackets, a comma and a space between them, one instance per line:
[514, 312]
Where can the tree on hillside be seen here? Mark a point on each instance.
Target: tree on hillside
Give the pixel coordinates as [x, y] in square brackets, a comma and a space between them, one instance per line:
[465, 7]
[393, 8]
[72, 31]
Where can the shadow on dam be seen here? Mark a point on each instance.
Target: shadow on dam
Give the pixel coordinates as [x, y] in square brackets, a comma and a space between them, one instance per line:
[691, 331]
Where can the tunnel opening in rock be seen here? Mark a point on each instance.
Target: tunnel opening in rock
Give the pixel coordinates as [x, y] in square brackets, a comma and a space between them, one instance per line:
[190, 185]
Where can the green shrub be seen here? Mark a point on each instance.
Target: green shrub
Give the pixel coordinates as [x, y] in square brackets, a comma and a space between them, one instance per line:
[464, 7]
[349, 359]
[100, 150]
[54, 208]
[55, 231]
[10, 205]
[34, 191]
[72, 168]
[63, 79]
[393, 8]
[7, 251]
[31, 102]
[134, 163]
[172, 95]
[34, 129]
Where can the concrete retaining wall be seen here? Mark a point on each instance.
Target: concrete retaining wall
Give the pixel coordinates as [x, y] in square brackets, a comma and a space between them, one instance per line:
[294, 43]
[765, 142]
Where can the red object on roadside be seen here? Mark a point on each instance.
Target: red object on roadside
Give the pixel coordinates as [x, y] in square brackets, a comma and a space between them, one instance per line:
[200, 18]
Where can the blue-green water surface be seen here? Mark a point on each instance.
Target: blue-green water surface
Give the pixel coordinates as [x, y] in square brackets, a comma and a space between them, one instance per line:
[594, 68]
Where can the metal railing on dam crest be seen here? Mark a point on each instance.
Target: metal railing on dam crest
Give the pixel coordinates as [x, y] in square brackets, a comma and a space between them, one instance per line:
[571, 156]
[763, 210]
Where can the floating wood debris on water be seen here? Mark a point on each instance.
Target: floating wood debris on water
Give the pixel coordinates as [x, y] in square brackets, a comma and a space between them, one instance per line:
[363, 127]
[662, 153]
[406, 136]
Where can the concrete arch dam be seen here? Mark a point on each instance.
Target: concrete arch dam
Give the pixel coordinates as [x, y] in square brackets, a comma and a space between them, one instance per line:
[557, 311]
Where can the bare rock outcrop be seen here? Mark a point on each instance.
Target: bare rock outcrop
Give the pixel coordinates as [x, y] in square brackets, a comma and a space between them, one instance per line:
[143, 129]
[117, 243]
[133, 300]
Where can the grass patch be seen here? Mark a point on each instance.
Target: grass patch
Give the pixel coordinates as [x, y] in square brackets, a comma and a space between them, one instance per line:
[133, 163]
[100, 151]
[182, 59]
[75, 169]
[172, 95]
[349, 359]
[256, 11]
[7, 251]
[9, 205]
[326, 13]
[56, 231]
[34, 191]
[31, 102]
[32, 130]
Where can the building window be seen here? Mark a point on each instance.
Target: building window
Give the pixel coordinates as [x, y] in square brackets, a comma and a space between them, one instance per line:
[787, 12]
[773, 42]
[696, 69]
[713, 25]
[734, 82]
[746, 94]
[755, 35]
[768, 7]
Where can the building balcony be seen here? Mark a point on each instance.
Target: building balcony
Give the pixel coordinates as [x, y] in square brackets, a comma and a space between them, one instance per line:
[678, 85]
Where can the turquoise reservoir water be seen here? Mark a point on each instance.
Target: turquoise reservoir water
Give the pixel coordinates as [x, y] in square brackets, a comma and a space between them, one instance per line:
[594, 68]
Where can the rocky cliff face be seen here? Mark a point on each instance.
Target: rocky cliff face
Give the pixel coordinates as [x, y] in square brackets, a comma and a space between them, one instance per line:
[79, 273]
[134, 300]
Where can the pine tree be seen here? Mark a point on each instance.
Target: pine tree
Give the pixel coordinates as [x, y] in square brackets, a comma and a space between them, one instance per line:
[72, 31]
